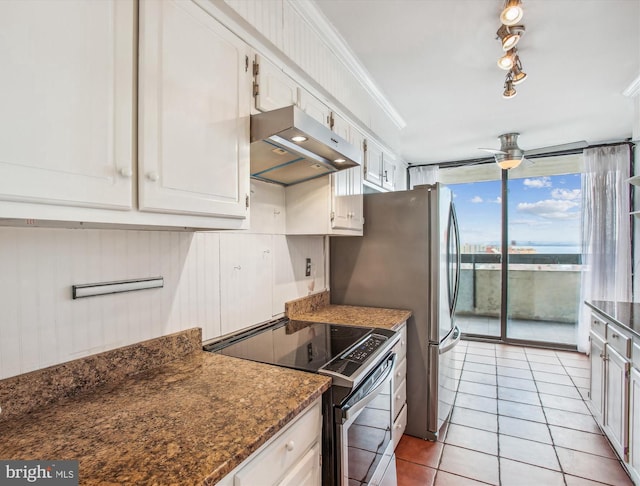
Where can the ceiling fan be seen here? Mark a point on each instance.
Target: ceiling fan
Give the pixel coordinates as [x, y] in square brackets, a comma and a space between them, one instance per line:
[510, 155]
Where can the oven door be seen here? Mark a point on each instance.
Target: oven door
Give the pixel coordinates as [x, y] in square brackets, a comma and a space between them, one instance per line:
[364, 444]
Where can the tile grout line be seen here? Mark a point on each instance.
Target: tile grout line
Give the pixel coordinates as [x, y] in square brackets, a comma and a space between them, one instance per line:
[546, 420]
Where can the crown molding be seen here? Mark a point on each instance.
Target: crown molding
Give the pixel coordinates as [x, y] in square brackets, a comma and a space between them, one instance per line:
[321, 25]
[633, 89]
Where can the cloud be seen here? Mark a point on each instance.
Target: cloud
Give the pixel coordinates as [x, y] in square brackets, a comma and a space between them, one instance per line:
[538, 183]
[551, 209]
[529, 222]
[566, 194]
[476, 199]
[497, 200]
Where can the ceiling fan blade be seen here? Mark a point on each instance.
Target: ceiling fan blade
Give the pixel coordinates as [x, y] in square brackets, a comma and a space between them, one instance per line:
[493, 151]
[558, 148]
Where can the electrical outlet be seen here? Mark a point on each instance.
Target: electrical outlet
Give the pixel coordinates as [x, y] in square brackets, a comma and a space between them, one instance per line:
[307, 272]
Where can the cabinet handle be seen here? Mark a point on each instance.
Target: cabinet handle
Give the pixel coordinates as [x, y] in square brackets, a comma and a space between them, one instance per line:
[386, 179]
[290, 445]
[238, 267]
[126, 172]
[153, 176]
[614, 335]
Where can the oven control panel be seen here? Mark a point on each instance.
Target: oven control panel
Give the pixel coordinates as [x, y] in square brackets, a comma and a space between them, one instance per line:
[352, 363]
[365, 349]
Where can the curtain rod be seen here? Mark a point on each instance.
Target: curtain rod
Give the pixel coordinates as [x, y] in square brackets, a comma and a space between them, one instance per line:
[486, 160]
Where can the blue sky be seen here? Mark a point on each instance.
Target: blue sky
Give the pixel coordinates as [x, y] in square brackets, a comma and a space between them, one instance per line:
[541, 210]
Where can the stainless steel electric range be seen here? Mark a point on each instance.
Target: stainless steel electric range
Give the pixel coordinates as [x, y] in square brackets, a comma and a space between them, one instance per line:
[357, 410]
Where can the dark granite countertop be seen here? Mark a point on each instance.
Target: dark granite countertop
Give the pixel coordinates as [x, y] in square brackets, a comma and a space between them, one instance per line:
[189, 421]
[317, 308]
[624, 314]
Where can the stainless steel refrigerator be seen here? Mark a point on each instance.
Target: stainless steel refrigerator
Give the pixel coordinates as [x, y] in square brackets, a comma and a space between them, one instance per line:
[409, 258]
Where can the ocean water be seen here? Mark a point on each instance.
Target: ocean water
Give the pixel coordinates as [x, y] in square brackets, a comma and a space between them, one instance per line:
[553, 248]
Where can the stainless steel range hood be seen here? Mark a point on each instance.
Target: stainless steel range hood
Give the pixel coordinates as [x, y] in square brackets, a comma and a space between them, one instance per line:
[288, 147]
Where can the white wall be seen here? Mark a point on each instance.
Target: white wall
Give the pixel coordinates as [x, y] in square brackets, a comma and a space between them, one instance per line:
[40, 324]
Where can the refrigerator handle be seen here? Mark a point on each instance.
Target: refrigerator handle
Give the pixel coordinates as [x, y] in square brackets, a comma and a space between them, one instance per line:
[456, 238]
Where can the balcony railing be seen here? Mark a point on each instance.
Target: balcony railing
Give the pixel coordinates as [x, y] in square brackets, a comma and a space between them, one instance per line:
[542, 287]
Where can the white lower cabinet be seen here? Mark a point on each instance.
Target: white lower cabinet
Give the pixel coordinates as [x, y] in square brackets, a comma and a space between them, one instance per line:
[399, 405]
[614, 389]
[616, 401]
[596, 384]
[291, 458]
[634, 424]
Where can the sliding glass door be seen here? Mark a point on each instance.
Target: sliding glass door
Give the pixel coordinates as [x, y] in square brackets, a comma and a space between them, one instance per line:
[521, 260]
[545, 258]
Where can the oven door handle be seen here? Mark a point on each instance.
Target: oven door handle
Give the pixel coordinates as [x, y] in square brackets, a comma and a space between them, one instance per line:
[353, 410]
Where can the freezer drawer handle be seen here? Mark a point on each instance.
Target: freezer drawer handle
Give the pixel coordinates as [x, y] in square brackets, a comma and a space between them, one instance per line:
[455, 339]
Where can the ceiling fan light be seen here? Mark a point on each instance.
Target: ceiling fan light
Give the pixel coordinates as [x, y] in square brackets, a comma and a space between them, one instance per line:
[506, 62]
[512, 12]
[505, 162]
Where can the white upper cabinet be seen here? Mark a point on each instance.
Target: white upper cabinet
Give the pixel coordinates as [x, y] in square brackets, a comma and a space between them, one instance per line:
[66, 92]
[328, 205]
[194, 108]
[389, 167]
[272, 89]
[315, 108]
[373, 163]
[347, 211]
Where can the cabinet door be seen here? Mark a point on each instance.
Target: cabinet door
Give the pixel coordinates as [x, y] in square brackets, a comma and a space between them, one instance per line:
[272, 89]
[313, 107]
[340, 202]
[307, 471]
[357, 218]
[634, 425]
[66, 92]
[373, 164]
[195, 101]
[596, 384]
[340, 126]
[388, 172]
[616, 397]
[246, 276]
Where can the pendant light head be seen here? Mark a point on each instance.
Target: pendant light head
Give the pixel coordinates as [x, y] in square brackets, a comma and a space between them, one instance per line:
[512, 12]
[509, 90]
[517, 74]
[510, 36]
[507, 61]
[510, 155]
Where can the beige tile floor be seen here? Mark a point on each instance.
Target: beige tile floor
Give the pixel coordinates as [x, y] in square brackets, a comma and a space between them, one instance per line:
[519, 419]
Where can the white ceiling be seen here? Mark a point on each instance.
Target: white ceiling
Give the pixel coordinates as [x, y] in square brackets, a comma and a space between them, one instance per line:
[441, 75]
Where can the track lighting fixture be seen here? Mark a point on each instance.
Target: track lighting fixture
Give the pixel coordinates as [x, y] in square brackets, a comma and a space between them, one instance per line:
[512, 12]
[509, 34]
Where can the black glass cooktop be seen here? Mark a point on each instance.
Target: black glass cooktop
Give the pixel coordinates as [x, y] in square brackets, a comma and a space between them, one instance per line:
[307, 346]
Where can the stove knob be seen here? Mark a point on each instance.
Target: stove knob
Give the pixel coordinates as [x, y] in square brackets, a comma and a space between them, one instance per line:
[290, 445]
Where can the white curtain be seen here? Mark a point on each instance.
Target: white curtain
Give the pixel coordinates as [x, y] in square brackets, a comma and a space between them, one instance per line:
[426, 174]
[606, 231]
